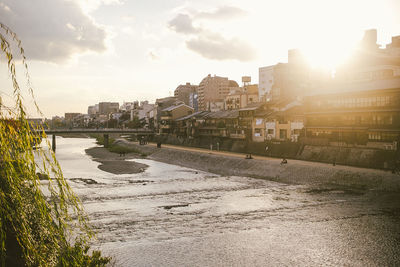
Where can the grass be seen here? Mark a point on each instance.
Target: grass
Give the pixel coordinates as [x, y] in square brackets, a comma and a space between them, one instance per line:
[115, 148]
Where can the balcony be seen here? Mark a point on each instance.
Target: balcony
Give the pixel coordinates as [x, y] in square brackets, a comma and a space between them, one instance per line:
[166, 118]
[237, 136]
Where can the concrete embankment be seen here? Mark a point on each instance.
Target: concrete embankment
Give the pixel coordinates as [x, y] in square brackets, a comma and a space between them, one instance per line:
[350, 155]
[294, 172]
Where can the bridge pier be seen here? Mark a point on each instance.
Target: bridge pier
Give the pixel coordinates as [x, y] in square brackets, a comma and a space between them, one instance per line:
[53, 143]
[105, 140]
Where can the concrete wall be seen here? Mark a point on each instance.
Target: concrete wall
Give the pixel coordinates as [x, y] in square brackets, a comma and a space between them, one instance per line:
[353, 156]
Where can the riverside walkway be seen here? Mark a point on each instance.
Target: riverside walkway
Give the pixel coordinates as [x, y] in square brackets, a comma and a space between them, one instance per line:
[272, 159]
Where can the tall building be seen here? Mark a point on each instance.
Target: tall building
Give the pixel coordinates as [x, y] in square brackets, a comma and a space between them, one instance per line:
[212, 91]
[265, 82]
[193, 101]
[183, 92]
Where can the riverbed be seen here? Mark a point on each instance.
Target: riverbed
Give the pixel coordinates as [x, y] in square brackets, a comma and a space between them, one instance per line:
[175, 216]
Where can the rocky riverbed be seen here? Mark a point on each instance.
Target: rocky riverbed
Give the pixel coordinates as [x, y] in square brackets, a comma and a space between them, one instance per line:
[294, 172]
[178, 216]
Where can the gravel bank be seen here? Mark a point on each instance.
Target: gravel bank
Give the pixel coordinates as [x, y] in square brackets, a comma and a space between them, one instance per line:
[114, 163]
[294, 172]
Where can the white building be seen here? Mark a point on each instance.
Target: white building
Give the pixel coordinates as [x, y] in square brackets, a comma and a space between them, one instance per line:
[265, 82]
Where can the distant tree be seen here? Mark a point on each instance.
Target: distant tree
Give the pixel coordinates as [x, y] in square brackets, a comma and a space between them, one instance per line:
[112, 123]
[134, 123]
[35, 228]
[125, 116]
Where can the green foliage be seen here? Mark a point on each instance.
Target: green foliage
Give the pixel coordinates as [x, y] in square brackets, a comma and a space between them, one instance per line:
[125, 116]
[38, 219]
[77, 255]
[134, 123]
[115, 148]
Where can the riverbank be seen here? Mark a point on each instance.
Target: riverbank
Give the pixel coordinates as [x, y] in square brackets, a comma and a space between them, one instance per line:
[294, 172]
[115, 163]
[349, 155]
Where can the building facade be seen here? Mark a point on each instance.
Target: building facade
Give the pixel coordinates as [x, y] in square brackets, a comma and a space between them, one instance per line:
[369, 118]
[106, 108]
[184, 91]
[170, 114]
[265, 82]
[212, 90]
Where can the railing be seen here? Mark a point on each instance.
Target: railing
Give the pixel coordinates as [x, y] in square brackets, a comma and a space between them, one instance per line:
[237, 136]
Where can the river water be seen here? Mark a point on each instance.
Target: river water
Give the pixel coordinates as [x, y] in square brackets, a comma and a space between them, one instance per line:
[175, 216]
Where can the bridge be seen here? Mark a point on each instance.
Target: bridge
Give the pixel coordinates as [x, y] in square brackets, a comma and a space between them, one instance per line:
[105, 131]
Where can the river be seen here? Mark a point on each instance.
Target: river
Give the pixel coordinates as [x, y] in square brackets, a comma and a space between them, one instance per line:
[174, 216]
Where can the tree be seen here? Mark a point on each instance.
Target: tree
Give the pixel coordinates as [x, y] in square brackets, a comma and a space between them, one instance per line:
[134, 123]
[36, 229]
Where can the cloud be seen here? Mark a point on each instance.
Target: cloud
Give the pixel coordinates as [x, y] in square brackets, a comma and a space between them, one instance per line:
[54, 34]
[182, 23]
[210, 44]
[223, 12]
[128, 18]
[220, 48]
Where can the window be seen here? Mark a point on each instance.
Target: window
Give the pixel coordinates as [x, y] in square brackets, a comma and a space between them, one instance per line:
[296, 131]
[257, 132]
[270, 131]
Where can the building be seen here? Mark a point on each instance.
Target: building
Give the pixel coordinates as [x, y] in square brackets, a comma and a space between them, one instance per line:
[212, 91]
[362, 106]
[70, 116]
[247, 116]
[106, 108]
[184, 91]
[160, 104]
[369, 62]
[93, 110]
[242, 96]
[193, 101]
[128, 106]
[287, 81]
[393, 49]
[265, 82]
[283, 125]
[188, 126]
[363, 113]
[142, 111]
[221, 124]
[170, 114]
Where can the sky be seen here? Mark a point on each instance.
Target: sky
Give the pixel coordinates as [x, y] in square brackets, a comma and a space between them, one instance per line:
[81, 52]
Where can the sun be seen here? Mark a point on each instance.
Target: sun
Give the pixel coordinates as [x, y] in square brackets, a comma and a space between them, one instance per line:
[327, 56]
